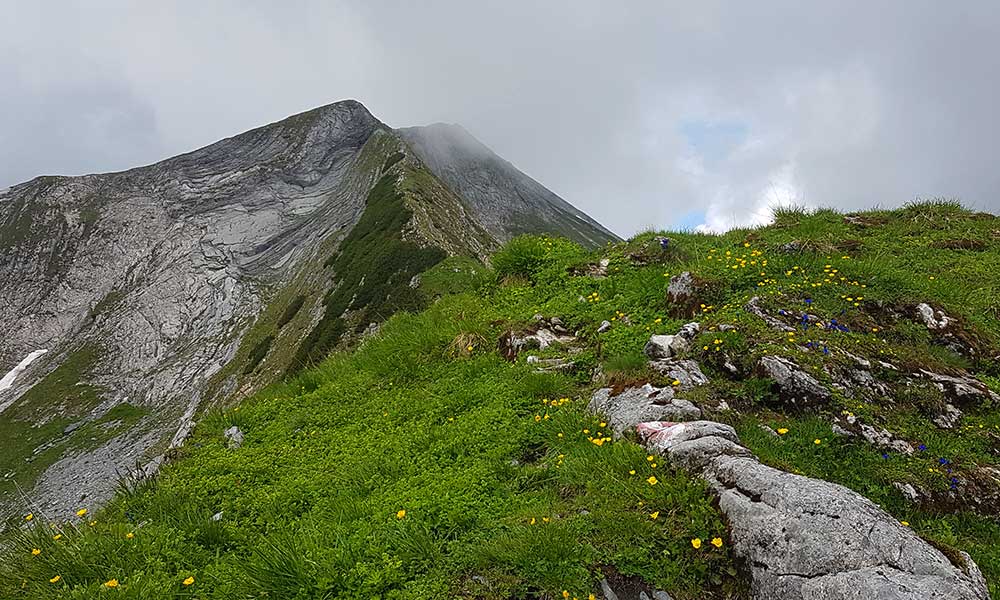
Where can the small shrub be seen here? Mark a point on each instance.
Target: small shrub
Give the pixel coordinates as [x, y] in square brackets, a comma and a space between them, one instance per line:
[523, 256]
[544, 385]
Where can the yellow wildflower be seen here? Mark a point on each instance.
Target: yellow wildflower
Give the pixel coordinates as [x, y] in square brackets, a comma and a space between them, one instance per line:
[57, 537]
[111, 583]
[632, 472]
[29, 516]
[817, 441]
[696, 542]
[654, 515]
[782, 430]
[401, 513]
[904, 523]
[129, 535]
[36, 552]
[652, 480]
[188, 581]
[55, 579]
[717, 542]
[81, 512]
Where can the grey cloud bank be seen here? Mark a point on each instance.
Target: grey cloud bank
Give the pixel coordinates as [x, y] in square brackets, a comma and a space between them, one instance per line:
[658, 115]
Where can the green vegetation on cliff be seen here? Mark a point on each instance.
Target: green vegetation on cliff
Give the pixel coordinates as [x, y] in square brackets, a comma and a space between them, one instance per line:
[372, 269]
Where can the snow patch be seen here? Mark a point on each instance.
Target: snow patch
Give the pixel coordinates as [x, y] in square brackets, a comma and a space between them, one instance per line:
[8, 380]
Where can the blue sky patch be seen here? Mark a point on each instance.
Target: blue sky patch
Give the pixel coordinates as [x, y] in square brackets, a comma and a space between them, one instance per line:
[713, 140]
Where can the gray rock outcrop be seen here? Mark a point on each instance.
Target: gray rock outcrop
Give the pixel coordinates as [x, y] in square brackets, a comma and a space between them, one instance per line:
[665, 346]
[935, 320]
[683, 374]
[963, 389]
[802, 538]
[638, 404]
[795, 386]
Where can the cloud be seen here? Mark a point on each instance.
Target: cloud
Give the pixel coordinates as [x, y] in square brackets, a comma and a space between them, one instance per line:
[642, 114]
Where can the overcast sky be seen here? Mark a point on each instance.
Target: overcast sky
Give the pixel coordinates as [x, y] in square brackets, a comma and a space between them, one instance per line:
[662, 114]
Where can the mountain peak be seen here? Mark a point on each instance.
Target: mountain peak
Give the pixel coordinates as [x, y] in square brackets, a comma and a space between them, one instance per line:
[496, 190]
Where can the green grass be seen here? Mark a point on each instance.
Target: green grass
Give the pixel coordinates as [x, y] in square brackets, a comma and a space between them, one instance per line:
[494, 479]
[505, 492]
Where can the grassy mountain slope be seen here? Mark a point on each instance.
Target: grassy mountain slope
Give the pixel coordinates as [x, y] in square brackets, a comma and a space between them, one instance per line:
[423, 464]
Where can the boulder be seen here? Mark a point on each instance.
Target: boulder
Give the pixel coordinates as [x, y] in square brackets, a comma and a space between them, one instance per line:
[545, 334]
[665, 346]
[683, 294]
[234, 437]
[881, 438]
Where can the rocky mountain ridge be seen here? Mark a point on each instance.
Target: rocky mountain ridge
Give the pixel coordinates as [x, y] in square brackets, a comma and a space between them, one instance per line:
[161, 289]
